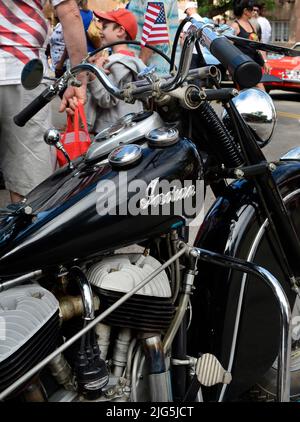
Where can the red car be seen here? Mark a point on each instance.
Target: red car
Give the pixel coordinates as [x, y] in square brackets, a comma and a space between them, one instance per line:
[285, 68]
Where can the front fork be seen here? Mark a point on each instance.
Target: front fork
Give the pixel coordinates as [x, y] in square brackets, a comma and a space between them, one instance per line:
[288, 244]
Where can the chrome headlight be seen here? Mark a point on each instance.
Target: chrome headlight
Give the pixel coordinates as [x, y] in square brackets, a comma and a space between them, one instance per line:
[257, 109]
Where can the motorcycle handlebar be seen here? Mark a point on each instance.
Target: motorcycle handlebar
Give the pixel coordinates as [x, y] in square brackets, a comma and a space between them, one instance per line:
[244, 70]
[34, 107]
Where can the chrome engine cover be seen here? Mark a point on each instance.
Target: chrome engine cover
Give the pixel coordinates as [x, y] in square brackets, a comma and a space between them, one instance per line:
[127, 130]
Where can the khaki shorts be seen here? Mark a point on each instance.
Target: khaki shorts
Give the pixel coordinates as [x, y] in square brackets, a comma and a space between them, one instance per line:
[25, 159]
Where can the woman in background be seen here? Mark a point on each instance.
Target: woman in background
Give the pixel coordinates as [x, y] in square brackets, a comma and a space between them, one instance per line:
[242, 26]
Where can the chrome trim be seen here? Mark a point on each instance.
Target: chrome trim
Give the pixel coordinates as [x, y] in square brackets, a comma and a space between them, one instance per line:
[208, 36]
[125, 155]
[283, 375]
[110, 131]
[184, 64]
[163, 136]
[243, 283]
[131, 133]
[86, 293]
[160, 387]
[257, 109]
[100, 74]
[292, 154]
[239, 307]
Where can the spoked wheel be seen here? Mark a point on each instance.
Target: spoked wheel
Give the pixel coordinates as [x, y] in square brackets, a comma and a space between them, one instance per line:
[267, 387]
[237, 314]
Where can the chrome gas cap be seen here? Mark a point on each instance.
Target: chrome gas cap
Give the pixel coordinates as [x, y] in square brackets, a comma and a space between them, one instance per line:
[125, 155]
[163, 137]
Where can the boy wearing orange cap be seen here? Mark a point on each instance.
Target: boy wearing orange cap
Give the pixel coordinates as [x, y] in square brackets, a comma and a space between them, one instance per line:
[122, 67]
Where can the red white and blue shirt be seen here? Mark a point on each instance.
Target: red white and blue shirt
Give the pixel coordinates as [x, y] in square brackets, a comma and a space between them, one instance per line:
[24, 33]
[157, 25]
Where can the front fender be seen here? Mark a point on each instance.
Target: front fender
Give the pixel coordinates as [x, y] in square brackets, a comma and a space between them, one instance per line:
[231, 227]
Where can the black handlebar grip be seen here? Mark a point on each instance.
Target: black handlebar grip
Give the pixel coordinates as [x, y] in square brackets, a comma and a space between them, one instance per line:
[245, 71]
[32, 108]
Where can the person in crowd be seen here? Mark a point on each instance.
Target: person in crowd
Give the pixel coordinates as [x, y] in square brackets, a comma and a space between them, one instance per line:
[58, 51]
[254, 22]
[87, 17]
[242, 26]
[181, 15]
[157, 24]
[122, 67]
[266, 29]
[191, 10]
[24, 157]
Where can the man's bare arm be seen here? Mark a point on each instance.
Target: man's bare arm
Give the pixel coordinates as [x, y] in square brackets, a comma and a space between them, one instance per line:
[69, 16]
[75, 40]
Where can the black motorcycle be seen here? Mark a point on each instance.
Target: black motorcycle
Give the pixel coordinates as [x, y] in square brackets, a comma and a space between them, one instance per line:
[190, 311]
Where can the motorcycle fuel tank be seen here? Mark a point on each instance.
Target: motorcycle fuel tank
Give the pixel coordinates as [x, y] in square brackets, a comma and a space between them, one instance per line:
[101, 206]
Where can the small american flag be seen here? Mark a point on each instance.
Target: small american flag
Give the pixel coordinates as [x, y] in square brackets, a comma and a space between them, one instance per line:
[155, 30]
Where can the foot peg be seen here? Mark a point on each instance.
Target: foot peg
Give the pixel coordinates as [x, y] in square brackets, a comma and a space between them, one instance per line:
[210, 372]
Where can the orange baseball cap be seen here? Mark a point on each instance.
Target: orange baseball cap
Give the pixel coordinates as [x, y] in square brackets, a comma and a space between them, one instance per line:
[122, 17]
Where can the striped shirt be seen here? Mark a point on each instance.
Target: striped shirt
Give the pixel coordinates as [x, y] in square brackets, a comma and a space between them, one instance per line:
[170, 14]
[24, 33]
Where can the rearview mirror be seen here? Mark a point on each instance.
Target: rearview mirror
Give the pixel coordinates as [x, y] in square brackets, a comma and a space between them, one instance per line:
[32, 74]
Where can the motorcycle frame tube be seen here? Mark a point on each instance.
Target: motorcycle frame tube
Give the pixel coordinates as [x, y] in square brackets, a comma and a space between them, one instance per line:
[90, 325]
[19, 280]
[231, 227]
[182, 306]
[269, 195]
[283, 375]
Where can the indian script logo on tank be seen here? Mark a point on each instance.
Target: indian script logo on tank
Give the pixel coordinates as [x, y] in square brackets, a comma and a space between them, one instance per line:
[159, 197]
[175, 194]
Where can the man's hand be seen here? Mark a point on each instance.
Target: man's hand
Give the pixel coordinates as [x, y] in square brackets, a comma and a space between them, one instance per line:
[75, 39]
[71, 97]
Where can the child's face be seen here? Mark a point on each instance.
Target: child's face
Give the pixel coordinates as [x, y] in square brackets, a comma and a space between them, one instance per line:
[110, 34]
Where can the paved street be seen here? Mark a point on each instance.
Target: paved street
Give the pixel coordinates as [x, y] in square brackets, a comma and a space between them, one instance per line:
[287, 132]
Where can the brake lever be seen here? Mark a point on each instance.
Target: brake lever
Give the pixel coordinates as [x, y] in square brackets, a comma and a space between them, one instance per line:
[149, 74]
